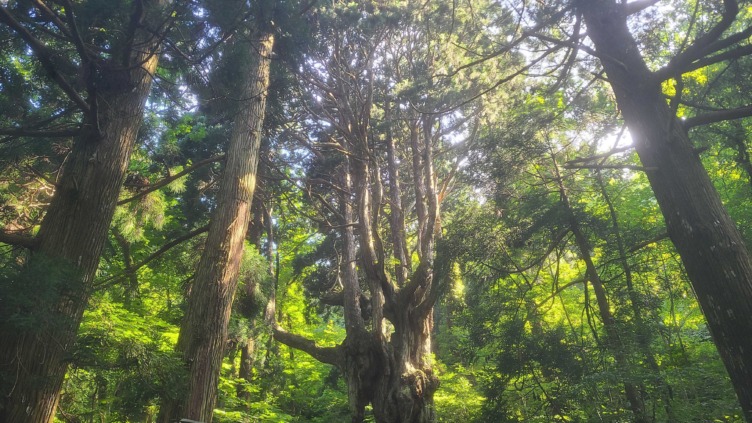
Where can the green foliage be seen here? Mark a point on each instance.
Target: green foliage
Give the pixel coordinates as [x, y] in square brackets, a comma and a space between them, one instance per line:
[122, 364]
[517, 332]
[31, 284]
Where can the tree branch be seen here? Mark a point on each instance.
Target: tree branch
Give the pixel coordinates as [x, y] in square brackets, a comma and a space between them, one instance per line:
[327, 355]
[153, 256]
[717, 116]
[167, 181]
[24, 132]
[599, 156]
[507, 48]
[638, 6]
[75, 34]
[559, 290]
[18, 240]
[643, 244]
[45, 57]
[711, 60]
[607, 166]
[52, 16]
[702, 45]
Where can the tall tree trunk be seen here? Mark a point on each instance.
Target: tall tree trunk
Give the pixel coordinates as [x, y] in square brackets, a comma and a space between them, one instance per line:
[72, 237]
[711, 247]
[403, 379]
[391, 371]
[204, 330]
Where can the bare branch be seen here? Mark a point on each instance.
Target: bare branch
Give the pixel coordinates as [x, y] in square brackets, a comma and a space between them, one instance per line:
[717, 116]
[607, 166]
[638, 6]
[559, 290]
[643, 244]
[702, 46]
[599, 156]
[52, 16]
[18, 240]
[51, 133]
[153, 256]
[166, 181]
[75, 33]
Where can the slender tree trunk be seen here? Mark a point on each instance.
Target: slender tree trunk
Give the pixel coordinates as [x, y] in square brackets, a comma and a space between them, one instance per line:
[204, 330]
[396, 215]
[131, 291]
[71, 239]
[246, 366]
[711, 247]
[644, 336]
[614, 342]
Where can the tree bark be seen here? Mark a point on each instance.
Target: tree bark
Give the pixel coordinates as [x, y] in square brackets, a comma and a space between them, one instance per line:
[73, 234]
[204, 330]
[396, 215]
[710, 245]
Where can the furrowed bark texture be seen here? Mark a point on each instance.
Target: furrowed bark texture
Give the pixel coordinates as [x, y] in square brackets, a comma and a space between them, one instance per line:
[204, 331]
[73, 235]
[711, 247]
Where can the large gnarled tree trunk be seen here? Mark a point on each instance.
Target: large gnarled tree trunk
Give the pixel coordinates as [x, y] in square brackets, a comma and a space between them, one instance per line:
[390, 370]
[75, 227]
[204, 330]
[711, 248]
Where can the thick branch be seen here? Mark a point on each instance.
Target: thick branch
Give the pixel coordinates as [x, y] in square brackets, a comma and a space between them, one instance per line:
[711, 60]
[167, 181]
[18, 240]
[418, 279]
[717, 116]
[701, 45]
[52, 133]
[638, 6]
[327, 355]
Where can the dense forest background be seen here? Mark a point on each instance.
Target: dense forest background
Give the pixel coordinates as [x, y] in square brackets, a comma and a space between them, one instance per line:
[386, 211]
